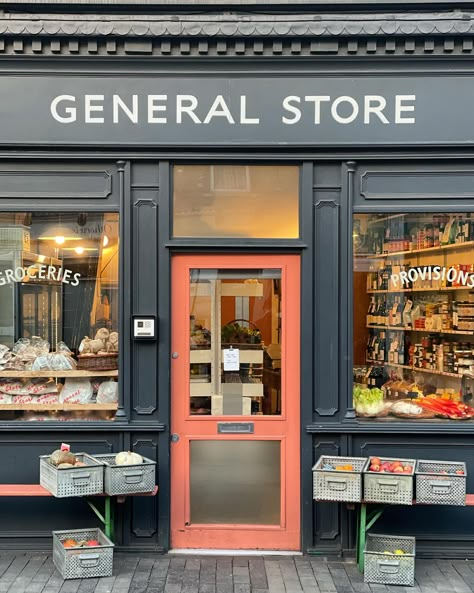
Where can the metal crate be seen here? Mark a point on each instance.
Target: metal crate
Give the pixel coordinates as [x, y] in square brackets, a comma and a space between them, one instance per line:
[72, 481]
[127, 479]
[387, 487]
[389, 569]
[339, 485]
[79, 562]
[435, 488]
[15, 237]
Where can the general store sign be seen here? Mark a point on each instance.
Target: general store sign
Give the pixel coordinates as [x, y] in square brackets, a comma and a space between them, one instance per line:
[219, 111]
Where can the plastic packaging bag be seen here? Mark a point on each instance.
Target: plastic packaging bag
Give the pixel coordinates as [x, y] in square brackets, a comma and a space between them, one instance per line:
[11, 386]
[107, 392]
[76, 391]
[5, 399]
[40, 387]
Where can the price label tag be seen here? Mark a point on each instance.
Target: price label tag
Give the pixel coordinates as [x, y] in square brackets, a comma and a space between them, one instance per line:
[231, 359]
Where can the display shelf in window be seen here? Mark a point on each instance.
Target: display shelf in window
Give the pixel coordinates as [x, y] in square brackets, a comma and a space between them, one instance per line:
[55, 374]
[418, 330]
[404, 290]
[59, 407]
[466, 244]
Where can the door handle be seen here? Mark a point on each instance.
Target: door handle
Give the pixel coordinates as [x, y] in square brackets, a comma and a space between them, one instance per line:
[174, 438]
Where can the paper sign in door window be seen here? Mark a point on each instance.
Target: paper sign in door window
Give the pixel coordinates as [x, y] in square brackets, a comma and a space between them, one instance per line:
[231, 359]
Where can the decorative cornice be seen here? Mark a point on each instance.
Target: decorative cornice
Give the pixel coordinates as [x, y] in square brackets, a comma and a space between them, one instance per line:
[241, 25]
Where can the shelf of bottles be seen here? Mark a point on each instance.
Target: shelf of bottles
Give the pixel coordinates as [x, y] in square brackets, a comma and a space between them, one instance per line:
[420, 316]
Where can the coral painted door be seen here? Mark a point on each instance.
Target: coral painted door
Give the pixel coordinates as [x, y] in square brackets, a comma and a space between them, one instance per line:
[235, 450]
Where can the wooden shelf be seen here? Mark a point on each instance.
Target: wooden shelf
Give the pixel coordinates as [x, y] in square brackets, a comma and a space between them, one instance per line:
[427, 250]
[56, 374]
[418, 370]
[427, 331]
[442, 289]
[59, 407]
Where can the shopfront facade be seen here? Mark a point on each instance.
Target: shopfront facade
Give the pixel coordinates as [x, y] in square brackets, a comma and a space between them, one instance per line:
[257, 215]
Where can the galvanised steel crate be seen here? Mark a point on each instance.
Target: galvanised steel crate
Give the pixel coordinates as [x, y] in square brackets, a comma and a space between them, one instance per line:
[440, 482]
[83, 562]
[72, 481]
[127, 479]
[339, 485]
[389, 488]
[383, 565]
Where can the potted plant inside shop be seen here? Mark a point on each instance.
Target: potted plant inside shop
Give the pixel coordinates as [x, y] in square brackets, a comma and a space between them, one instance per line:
[243, 336]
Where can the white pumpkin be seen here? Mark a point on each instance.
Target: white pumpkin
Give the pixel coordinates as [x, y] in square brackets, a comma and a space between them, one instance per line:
[128, 458]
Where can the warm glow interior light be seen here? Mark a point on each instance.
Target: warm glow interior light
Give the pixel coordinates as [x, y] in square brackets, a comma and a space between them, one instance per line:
[59, 240]
[105, 241]
[79, 250]
[41, 258]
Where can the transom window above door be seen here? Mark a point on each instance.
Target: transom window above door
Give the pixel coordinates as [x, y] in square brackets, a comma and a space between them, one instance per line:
[240, 201]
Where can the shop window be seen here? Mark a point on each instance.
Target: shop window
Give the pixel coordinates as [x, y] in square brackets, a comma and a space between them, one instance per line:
[58, 316]
[257, 201]
[414, 316]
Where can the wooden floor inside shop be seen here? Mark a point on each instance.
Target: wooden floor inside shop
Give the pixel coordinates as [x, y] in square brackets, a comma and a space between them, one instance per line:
[35, 573]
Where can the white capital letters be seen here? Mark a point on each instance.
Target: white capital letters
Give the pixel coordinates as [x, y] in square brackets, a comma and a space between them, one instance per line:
[189, 109]
[287, 104]
[400, 108]
[243, 112]
[71, 111]
[153, 108]
[131, 114]
[219, 109]
[89, 108]
[376, 109]
[317, 100]
[349, 118]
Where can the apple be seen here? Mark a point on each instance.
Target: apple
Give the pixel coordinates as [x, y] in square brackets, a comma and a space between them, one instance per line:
[374, 467]
[460, 472]
[398, 469]
[375, 461]
[385, 466]
[407, 468]
[92, 542]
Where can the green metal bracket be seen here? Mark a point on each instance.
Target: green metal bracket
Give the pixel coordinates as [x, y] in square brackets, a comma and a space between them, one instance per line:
[106, 518]
[364, 522]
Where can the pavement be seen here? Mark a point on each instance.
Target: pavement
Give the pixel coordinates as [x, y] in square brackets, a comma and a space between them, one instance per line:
[35, 573]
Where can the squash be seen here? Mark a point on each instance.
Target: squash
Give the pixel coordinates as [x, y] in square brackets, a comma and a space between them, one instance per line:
[65, 465]
[59, 457]
[128, 458]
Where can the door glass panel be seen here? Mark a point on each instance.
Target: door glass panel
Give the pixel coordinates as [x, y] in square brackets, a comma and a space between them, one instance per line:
[235, 342]
[235, 482]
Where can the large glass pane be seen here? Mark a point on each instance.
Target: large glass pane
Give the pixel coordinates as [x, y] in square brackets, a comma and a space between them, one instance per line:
[58, 315]
[257, 201]
[235, 342]
[235, 482]
[414, 316]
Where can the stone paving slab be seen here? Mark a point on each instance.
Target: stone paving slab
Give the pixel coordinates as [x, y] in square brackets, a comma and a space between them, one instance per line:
[35, 573]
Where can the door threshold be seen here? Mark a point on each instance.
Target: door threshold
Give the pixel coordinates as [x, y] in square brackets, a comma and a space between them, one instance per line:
[210, 552]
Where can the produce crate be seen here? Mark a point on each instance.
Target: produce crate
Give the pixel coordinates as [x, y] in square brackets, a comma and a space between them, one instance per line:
[389, 569]
[387, 487]
[72, 481]
[340, 485]
[432, 487]
[15, 237]
[83, 562]
[127, 479]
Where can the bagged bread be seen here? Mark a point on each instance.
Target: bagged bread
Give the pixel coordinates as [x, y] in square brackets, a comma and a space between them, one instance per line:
[107, 392]
[76, 391]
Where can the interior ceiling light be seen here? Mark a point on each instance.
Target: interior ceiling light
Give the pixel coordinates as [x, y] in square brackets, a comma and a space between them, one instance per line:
[105, 241]
[59, 240]
[79, 250]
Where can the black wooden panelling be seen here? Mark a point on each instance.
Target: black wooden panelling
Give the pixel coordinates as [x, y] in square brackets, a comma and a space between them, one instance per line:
[414, 186]
[326, 294]
[39, 184]
[144, 515]
[25, 519]
[327, 528]
[145, 295]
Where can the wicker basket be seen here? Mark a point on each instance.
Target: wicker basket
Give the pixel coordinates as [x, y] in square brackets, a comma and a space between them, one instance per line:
[15, 237]
[98, 362]
[79, 562]
[127, 479]
[72, 481]
[338, 485]
[389, 488]
[389, 569]
[432, 487]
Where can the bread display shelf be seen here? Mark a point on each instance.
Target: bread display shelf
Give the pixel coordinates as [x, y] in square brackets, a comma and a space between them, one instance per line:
[59, 407]
[55, 374]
